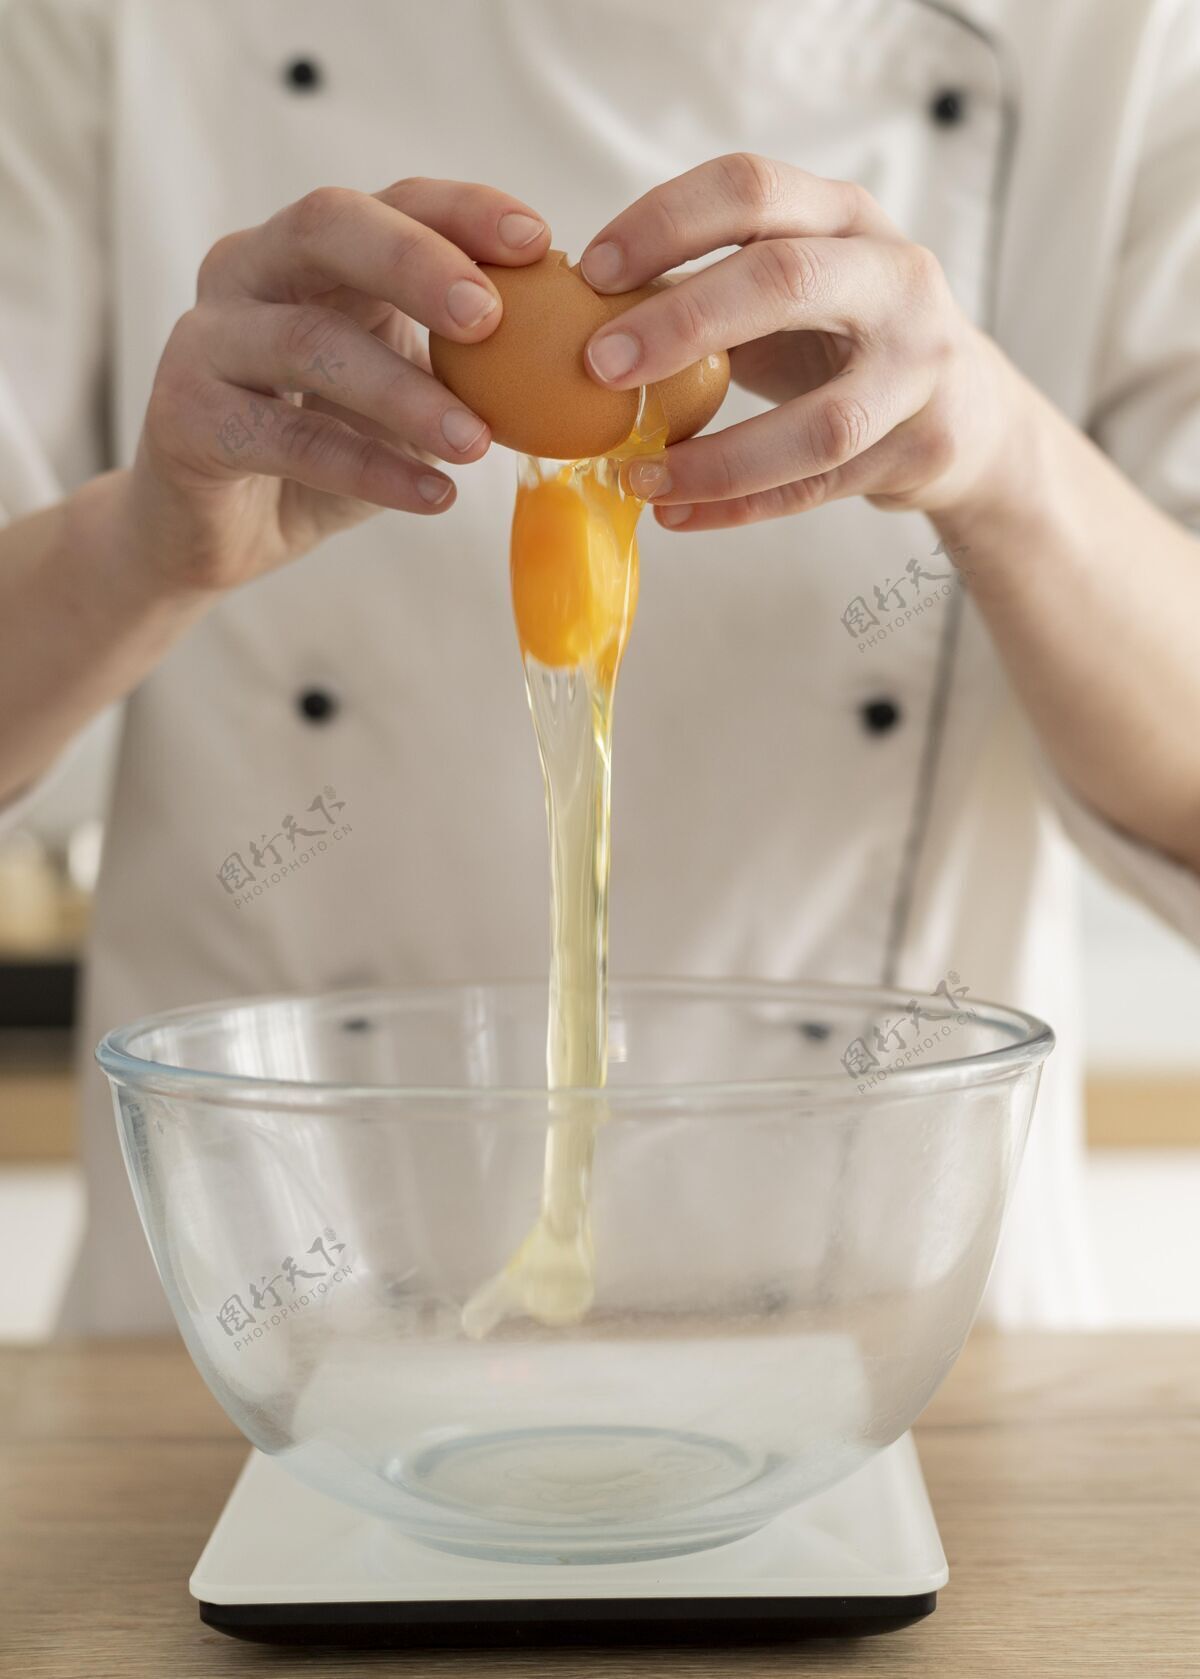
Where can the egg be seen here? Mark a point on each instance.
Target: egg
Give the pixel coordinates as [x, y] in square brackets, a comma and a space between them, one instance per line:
[528, 379]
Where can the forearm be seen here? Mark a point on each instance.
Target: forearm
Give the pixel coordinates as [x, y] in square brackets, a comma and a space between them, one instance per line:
[1089, 591]
[81, 623]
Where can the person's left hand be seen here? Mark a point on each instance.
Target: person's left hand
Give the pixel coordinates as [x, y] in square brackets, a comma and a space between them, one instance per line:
[884, 387]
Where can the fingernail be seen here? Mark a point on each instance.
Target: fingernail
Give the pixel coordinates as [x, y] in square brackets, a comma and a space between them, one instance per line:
[677, 515]
[614, 355]
[648, 478]
[468, 302]
[433, 489]
[461, 428]
[517, 230]
[602, 265]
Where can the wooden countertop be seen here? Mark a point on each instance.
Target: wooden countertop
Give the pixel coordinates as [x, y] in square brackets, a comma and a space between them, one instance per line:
[1065, 1472]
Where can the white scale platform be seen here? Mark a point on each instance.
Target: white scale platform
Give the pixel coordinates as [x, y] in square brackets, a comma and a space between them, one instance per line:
[285, 1564]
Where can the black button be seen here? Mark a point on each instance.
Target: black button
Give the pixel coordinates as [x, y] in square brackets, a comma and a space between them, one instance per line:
[816, 1031]
[879, 716]
[948, 107]
[302, 75]
[316, 705]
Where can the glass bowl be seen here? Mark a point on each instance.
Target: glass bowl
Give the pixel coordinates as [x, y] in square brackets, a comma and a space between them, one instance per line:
[795, 1201]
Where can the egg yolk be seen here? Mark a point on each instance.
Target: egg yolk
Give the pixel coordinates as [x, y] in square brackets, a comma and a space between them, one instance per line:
[574, 557]
[574, 569]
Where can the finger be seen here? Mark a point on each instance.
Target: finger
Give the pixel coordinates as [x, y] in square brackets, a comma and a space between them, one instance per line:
[371, 313]
[387, 323]
[887, 473]
[488, 225]
[730, 200]
[398, 331]
[778, 503]
[811, 434]
[368, 428]
[305, 347]
[274, 437]
[336, 237]
[828, 285]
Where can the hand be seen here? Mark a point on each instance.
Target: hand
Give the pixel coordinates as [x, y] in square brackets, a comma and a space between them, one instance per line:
[884, 388]
[295, 397]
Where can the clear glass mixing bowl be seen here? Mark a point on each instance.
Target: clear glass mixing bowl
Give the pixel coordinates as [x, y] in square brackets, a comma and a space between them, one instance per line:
[790, 1243]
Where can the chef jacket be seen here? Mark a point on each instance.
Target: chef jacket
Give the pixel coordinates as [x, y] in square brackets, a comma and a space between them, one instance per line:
[819, 769]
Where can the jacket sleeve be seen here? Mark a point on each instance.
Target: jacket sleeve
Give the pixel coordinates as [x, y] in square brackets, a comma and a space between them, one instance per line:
[54, 141]
[1145, 399]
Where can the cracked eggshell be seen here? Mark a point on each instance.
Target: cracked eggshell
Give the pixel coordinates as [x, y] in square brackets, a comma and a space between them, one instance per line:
[528, 379]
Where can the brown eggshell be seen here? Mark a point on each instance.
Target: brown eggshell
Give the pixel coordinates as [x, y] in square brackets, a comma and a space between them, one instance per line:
[528, 379]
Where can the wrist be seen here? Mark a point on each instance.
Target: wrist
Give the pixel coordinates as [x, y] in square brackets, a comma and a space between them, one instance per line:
[1004, 513]
[105, 542]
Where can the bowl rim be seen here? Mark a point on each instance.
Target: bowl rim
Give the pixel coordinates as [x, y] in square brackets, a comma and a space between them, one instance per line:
[1029, 1048]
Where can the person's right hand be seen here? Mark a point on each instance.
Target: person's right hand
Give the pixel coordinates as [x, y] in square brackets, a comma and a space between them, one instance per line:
[295, 397]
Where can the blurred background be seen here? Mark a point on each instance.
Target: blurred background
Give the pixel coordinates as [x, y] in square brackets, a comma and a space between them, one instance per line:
[1143, 1091]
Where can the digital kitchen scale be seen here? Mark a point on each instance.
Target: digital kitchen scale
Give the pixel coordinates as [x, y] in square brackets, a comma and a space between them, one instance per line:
[288, 1565]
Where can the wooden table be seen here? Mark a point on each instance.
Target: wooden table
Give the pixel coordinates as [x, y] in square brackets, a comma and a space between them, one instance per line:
[1065, 1472]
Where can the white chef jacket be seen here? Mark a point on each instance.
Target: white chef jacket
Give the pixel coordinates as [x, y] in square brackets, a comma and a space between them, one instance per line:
[793, 797]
